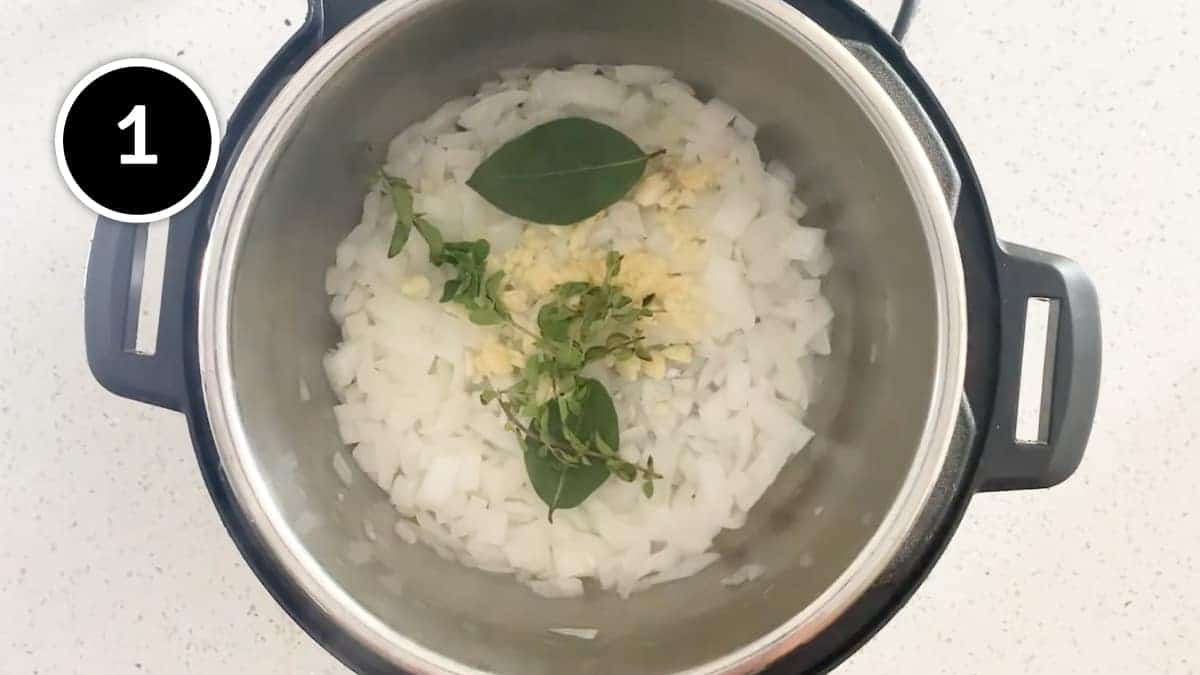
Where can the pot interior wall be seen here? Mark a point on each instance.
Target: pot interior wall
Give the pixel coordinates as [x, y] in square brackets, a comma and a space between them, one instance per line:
[872, 407]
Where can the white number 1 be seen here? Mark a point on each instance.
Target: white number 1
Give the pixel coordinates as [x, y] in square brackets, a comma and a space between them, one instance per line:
[137, 117]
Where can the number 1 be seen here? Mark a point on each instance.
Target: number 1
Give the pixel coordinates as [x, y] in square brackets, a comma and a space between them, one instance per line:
[137, 118]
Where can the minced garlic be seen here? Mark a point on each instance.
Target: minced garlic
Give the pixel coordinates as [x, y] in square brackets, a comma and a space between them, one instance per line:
[656, 367]
[495, 358]
[548, 256]
[674, 186]
[678, 353]
[415, 287]
[652, 189]
[628, 368]
[515, 300]
[696, 177]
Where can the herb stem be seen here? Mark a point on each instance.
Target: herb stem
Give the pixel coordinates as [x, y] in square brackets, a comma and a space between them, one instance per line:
[512, 419]
[515, 324]
[560, 449]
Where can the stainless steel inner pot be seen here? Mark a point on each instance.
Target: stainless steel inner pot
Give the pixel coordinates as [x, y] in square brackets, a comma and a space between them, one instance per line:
[835, 517]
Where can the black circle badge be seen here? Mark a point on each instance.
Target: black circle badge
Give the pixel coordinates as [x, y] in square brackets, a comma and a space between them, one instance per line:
[136, 140]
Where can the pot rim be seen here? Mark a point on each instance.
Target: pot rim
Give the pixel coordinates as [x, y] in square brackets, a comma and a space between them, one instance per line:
[247, 477]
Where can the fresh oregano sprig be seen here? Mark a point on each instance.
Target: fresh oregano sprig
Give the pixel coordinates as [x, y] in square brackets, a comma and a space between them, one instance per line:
[472, 286]
[580, 323]
[570, 434]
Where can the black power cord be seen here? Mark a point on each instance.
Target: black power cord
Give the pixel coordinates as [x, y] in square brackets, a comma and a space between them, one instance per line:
[908, 8]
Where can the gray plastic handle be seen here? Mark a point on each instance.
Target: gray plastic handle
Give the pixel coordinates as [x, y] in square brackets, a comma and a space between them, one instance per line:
[114, 286]
[904, 19]
[114, 274]
[1074, 378]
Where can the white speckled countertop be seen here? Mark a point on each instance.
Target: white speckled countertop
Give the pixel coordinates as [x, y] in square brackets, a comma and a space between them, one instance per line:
[1082, 118]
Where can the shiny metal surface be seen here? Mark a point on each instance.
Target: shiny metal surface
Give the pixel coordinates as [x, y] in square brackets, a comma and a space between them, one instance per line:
[825, 531]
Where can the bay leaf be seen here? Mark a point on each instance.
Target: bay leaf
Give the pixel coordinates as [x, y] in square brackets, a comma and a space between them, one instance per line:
[561, 172]
[563, 486]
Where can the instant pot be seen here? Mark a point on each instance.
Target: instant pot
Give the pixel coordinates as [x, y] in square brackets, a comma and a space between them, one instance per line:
[919, 404]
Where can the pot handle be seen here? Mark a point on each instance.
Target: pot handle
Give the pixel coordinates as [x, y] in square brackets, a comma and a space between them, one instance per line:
[337, 14]
[114, 273]
[110, 308]
[1071, 382]
[904, 18]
